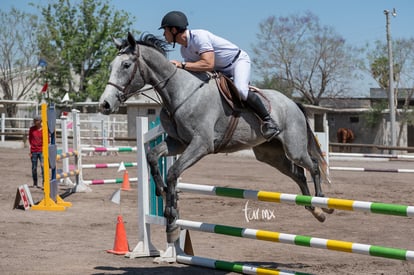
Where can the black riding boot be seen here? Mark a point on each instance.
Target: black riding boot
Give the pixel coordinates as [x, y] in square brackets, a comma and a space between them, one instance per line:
[269, 127]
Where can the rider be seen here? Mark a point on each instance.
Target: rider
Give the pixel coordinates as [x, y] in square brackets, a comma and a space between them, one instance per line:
[203, 51]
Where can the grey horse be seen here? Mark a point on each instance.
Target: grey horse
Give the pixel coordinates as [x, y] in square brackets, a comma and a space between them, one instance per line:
[196, 119]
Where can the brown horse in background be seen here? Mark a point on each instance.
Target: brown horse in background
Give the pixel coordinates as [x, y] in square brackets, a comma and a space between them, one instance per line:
[345, 135]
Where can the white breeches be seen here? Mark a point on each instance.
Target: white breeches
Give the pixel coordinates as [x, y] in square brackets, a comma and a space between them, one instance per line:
[240, 72]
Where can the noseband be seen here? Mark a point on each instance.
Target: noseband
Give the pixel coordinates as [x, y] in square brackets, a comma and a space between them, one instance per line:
[126, 94]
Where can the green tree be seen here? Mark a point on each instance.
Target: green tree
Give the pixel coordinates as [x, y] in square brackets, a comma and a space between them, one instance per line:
[374, 116]
[19, 70]
[403, 67]
[76, 42]
[403, 59]
[380, 71]
[314, 60]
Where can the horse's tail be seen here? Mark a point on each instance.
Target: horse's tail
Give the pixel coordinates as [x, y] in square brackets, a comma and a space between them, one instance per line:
[314, 149]
[351, 135]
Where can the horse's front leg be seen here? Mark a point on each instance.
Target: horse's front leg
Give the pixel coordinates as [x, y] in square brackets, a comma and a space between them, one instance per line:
[152, 158]
[193, 153]
[168, 147]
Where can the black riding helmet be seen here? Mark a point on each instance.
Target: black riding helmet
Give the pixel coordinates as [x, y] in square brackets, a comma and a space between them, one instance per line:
[174, 19]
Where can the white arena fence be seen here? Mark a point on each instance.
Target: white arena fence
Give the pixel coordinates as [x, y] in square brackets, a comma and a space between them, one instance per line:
[96, 129]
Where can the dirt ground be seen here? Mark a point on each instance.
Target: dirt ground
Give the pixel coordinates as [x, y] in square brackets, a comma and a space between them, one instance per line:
[75, 241]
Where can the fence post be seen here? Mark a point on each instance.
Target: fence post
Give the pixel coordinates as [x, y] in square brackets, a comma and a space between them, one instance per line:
[80, 186]
[3, 125]
[144, 248]
[65, 148]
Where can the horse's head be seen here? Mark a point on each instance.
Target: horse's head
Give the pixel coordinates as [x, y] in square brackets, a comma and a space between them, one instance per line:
[125, 78]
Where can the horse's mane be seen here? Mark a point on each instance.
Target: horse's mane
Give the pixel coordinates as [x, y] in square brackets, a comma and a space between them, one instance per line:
[148, 39]
[302, 108]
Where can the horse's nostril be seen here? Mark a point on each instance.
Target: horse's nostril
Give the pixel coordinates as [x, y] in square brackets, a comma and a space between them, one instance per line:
[105, 107]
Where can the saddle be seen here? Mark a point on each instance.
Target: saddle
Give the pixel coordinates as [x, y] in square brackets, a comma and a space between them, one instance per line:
[232, 97]
[229, 91]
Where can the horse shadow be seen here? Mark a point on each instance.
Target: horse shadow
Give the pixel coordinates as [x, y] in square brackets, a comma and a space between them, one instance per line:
[159, 270]
[178, 269]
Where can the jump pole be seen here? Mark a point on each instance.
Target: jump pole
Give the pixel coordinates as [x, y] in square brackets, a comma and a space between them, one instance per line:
[342, 246]
[109, 149]
[104, 181]
[361, 155]
[333, 203]
[65, 175]
[383, 170]
[107, 165]
[231, 266]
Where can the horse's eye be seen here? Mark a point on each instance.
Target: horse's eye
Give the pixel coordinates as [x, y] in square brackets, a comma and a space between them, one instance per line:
[126, 64]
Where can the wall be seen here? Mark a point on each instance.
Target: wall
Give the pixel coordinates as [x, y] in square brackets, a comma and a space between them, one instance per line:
[364, 134]
[150, 110]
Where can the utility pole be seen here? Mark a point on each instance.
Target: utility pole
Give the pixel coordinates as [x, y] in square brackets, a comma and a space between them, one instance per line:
[391, 80]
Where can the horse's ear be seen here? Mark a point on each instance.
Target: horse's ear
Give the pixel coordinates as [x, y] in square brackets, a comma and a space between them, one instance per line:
[131, 40]
[119, 43]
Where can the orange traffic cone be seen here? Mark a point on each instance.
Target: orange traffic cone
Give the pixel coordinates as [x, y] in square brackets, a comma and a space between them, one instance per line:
[121, 246]
[125, 182]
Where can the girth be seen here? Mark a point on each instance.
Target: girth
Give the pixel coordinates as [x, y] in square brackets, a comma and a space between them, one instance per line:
[230, 94]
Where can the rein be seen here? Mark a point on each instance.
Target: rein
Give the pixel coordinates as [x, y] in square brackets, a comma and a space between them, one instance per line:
[125, 94]
[187, 98]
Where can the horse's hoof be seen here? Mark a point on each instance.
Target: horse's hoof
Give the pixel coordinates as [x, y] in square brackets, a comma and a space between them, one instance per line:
[173, 233]
[328, 210]
[318, 214]
[159, 191]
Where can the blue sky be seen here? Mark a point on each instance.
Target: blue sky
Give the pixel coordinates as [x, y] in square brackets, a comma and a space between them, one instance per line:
[358, 21]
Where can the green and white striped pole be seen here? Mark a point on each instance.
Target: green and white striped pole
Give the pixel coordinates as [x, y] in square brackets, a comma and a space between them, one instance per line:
[231, 266]
[342, 246]
[332, 203]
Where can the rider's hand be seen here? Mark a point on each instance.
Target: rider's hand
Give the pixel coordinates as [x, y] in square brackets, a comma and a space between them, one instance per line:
[176, 63]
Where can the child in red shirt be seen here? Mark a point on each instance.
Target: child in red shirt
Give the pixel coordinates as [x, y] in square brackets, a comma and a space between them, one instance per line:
[36, 147]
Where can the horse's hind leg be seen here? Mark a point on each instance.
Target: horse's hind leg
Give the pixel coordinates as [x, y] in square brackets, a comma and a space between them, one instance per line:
[273, 154]
[299, 174]
[313, 167]
[316, 177]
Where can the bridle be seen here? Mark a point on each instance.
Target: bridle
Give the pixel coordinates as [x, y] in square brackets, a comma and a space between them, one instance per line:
[125, 94]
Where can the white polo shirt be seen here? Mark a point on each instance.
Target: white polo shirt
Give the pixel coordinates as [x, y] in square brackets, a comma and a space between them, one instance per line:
[200, 41]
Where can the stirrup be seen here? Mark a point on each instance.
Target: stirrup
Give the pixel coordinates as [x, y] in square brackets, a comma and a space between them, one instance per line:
[270, 130]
